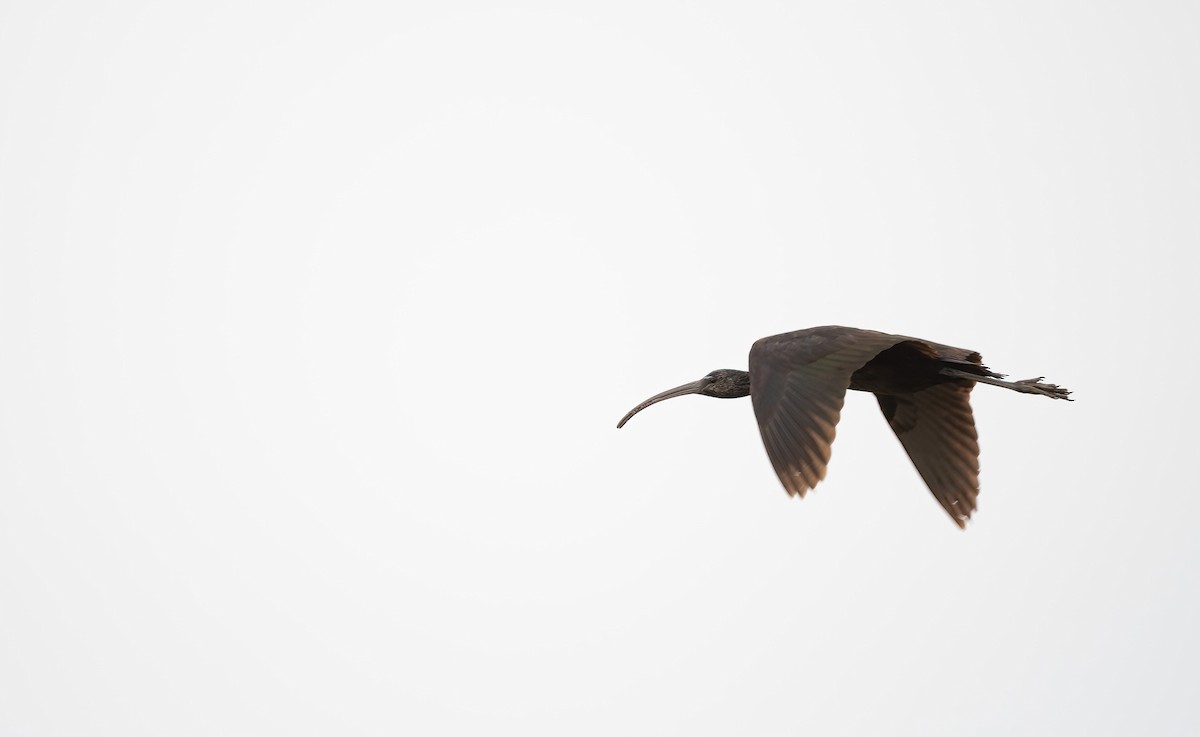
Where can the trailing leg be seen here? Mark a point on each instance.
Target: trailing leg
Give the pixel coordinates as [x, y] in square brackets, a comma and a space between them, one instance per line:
[1027, 386]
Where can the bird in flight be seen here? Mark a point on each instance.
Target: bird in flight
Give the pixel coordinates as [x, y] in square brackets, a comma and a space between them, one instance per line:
[797, 383]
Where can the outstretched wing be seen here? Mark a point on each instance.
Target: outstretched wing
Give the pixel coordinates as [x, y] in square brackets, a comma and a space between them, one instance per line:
[798, 382]
[937, 429]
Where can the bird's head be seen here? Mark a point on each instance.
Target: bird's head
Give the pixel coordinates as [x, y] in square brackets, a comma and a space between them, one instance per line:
[726, 384]
[722, 383]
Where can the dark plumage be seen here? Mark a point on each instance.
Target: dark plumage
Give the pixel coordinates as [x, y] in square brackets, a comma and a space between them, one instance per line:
[798, 381]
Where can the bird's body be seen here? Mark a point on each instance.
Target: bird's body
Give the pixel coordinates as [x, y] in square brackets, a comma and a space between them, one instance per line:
[797, 383]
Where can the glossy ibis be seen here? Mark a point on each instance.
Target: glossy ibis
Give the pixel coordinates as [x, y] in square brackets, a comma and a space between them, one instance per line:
[797, 383]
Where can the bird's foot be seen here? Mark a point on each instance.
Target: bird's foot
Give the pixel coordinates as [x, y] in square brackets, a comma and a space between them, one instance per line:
[1035, 386]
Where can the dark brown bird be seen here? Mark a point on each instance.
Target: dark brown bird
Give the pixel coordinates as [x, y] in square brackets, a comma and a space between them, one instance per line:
[798, 381]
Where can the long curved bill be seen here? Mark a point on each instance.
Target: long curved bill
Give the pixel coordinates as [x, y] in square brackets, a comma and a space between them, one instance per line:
[691, 388]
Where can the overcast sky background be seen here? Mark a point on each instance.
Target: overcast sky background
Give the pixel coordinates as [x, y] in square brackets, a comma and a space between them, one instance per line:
[317, 319]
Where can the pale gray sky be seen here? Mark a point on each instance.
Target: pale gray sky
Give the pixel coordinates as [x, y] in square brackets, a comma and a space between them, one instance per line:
[318, 317]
